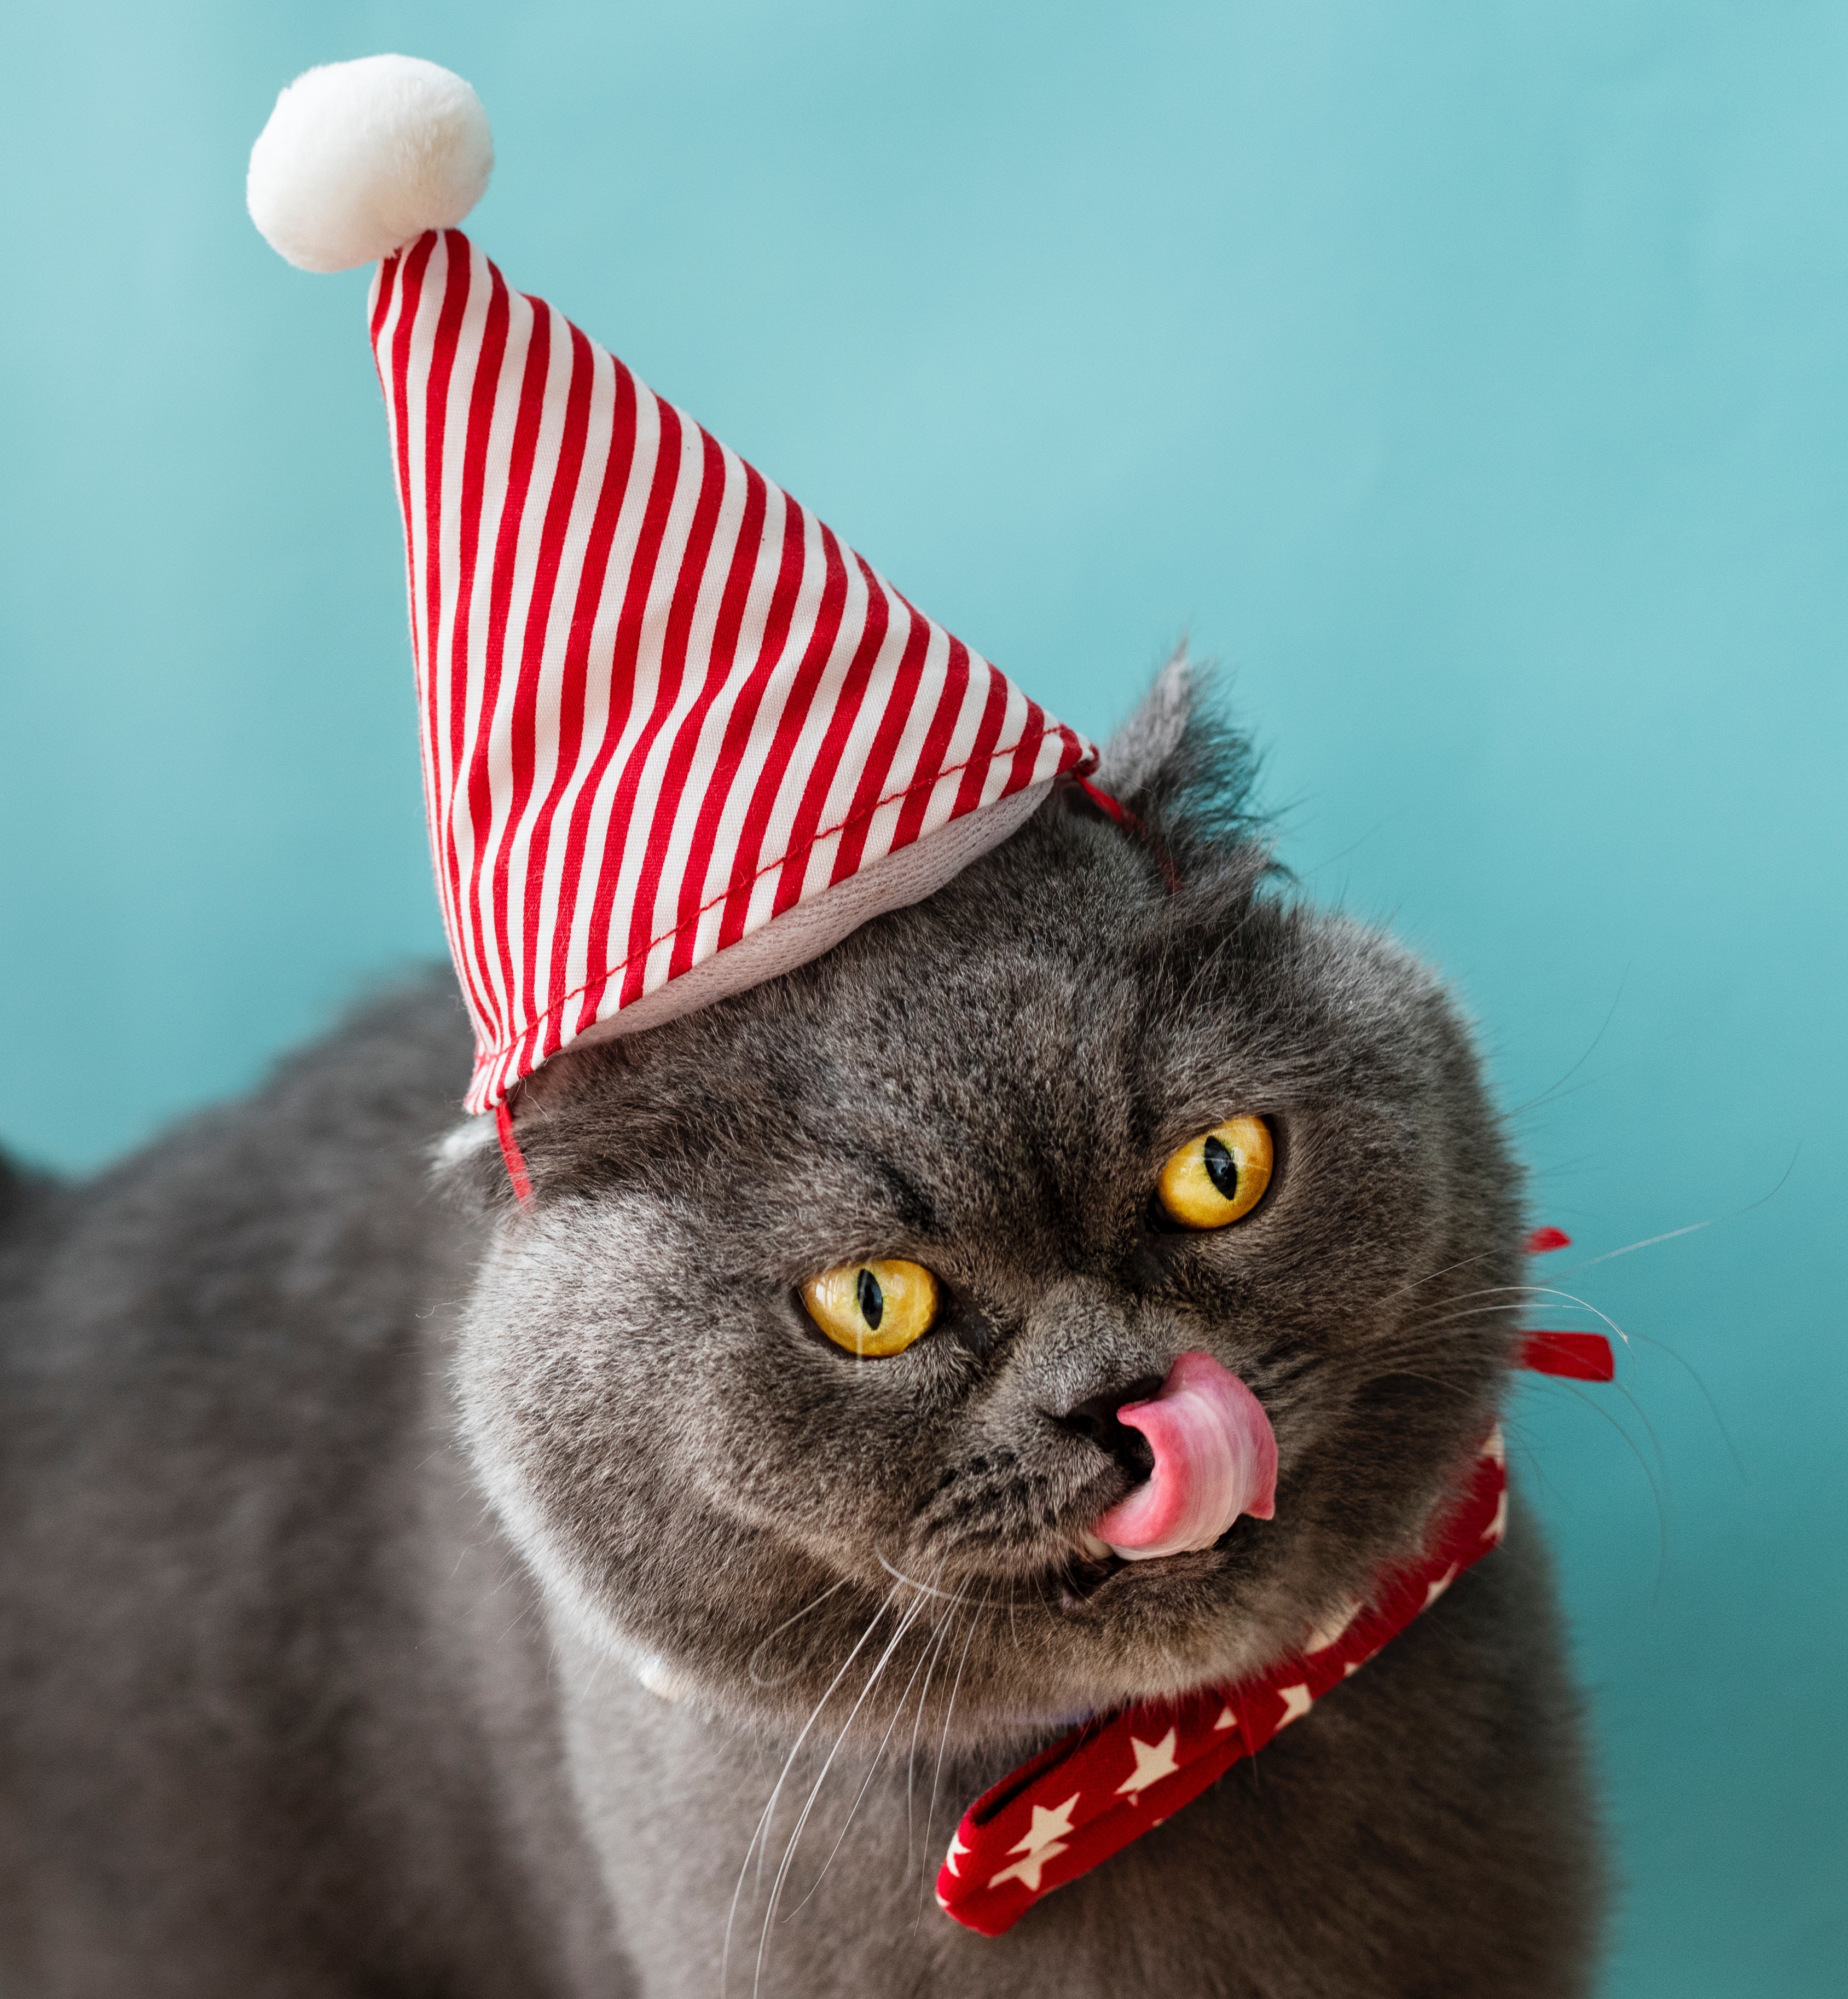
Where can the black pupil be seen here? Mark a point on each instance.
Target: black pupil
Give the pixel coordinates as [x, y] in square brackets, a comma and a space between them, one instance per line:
[1222, 1169]
[872, 1299]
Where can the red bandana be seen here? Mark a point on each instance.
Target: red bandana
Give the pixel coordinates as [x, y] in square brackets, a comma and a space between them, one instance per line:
[1115, 1776]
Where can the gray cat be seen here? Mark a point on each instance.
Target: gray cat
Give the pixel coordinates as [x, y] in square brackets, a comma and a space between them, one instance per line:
[407, 1592]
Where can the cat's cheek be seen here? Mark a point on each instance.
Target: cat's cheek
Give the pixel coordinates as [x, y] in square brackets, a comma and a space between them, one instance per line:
[822, 1450]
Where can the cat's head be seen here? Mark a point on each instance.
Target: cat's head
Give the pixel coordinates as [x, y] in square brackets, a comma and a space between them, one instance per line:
[988, 1084]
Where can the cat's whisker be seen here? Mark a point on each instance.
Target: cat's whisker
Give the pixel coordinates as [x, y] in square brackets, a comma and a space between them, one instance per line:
[911, 1582]
[1648, 1242]
[1713, 1408]
[815, 1791]
[1572, 1298]
[813, 1603]
[1642, 1416]
[873, 1761]
[1399, 1343]
[1040, 1582]
[1554, 1089]
[939, 1631]
[1462, 1309]
[1493, 1291]
[760, 1832]
[1584, 1305]
[937, 1778]
[1579, 1394]
[1431, 1276]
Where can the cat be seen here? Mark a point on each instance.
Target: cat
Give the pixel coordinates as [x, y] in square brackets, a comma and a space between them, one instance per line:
[406, 1591]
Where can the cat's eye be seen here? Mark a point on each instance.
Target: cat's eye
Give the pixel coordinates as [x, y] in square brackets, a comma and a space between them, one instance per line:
[1219, 1177]
[874, 1309]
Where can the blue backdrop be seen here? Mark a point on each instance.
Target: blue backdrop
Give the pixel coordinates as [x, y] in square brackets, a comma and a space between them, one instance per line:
[1473, 381]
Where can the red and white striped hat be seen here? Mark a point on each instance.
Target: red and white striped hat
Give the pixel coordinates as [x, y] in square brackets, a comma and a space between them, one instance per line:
[677, 736]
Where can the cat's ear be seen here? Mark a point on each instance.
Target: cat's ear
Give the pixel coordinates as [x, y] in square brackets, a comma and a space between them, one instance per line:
[1177, 762]
[1134, 761]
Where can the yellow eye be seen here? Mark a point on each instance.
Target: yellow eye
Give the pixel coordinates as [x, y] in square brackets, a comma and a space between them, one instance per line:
[873, 1309]
[1219, 1177]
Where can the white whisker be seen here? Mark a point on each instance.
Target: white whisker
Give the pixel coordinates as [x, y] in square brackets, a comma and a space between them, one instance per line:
[944, 1626]
[795, 1618]
[873, 1764]
[1648, 1242]
[815, 1791]
[937, 1779]
[763, 1821]
[1572, 1298]
[911, 1582]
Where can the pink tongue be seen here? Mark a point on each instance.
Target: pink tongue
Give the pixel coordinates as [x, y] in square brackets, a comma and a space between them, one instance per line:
[1215, 1457]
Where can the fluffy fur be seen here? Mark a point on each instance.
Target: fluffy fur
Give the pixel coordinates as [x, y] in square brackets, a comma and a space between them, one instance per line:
[288, 1709]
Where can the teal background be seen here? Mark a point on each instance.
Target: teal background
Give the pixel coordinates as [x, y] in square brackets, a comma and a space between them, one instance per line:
[1469, 379]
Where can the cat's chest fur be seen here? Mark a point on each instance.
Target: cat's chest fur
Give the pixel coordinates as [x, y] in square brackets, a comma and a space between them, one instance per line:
[1288, 1878]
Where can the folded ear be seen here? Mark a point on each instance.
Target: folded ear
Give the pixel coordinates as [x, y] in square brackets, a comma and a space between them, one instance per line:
[1182, 768]
[1137, 760]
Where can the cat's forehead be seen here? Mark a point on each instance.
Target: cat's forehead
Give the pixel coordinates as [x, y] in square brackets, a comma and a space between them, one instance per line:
[1026, 1040]
[1058, 1003]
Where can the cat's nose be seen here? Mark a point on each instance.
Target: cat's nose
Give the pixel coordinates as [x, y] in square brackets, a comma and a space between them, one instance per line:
[1094, 1419]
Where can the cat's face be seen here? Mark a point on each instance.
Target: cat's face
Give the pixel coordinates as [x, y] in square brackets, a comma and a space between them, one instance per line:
[988, 1084]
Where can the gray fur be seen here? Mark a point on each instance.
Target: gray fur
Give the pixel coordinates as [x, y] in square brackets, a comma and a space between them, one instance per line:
[291, 1707]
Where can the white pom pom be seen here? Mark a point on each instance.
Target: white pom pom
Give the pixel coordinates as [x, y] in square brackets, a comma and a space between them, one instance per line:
[360, 156]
